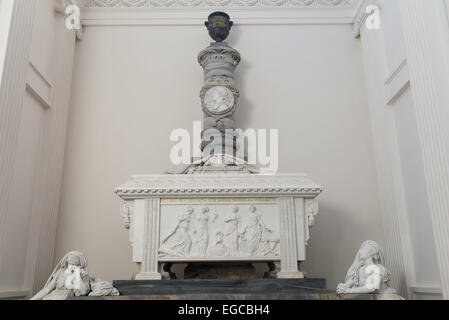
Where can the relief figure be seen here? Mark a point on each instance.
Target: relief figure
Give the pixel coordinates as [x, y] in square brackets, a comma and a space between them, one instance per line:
[178, 242]
[218, 249]
[231, 234]
[201, 232]
[269, 242]
[260, 240]
[253, 232]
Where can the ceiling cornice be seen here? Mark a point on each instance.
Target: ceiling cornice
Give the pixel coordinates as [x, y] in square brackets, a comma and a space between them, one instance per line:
[216, 3]
[194, 12]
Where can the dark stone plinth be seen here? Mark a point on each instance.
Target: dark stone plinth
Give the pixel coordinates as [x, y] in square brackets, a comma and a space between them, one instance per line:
[223, 271]
[226, 289]
[255, 297]
[222, 287]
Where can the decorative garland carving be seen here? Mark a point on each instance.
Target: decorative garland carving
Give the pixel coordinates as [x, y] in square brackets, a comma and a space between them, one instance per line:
[311, 208]
[126, 211]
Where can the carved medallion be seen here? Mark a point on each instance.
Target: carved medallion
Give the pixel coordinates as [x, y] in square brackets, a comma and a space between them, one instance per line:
[219, 100]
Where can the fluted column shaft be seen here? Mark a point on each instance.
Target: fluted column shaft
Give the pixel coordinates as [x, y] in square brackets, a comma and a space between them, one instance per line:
[426, 27]
[149, 269]
[16, 54]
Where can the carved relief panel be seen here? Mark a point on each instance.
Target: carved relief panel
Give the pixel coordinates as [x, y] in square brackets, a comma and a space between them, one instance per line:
[219, 229]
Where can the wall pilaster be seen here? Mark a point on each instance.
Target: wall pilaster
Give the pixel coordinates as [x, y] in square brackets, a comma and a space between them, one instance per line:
[425, 26]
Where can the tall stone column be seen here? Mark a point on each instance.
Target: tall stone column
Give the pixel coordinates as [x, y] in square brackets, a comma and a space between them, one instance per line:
[219, 62]
[426, 30]
[219, 95]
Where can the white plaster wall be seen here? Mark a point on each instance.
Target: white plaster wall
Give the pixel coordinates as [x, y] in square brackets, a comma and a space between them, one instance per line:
[133, 85]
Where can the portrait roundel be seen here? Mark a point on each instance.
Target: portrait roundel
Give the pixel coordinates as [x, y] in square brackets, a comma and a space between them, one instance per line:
[219, 100]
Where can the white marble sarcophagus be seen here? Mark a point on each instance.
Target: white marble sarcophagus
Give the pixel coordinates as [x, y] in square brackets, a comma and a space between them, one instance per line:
[219, 218]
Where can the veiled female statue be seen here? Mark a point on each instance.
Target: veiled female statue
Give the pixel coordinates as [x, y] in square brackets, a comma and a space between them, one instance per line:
[367, 273]
[69, 278]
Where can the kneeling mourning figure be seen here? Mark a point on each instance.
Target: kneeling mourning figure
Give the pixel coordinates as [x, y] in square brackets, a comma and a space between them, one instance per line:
[367, 273]
[71, 278]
